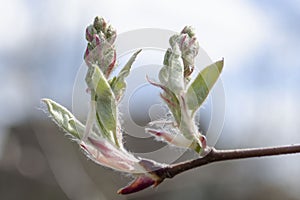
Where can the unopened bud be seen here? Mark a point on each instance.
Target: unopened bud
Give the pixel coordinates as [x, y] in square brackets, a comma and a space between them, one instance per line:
[188, 30]
[99, 24]
[111, 34]
[89, 32]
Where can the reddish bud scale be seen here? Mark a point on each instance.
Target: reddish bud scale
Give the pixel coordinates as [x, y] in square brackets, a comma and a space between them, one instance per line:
[138, 184]
[89, 36]
[162, 134]
[144, 181]
[87, 52]
[203, 141]
[157, 85]
[182, 42]
[157, 133]
[168, 101]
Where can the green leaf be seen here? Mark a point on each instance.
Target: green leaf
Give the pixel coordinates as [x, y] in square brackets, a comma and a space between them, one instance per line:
[118, 83]
[172, 75]
[64, 119]
[203, 83]
[106, 106]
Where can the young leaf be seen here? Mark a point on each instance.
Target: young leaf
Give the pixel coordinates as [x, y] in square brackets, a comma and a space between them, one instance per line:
[118, 83]
[172, 75]
[105, 103]
[199, 89]
[64, 119]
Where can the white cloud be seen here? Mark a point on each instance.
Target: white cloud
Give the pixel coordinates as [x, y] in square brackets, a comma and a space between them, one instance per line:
[15, 24]
[229, 29]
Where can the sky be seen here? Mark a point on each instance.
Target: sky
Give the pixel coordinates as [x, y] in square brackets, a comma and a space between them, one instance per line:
[42, 46]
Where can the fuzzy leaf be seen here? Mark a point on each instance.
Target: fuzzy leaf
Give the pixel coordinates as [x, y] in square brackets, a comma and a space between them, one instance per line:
[203, 83]
[105, 103]
[104, 153]
[172, 75]
[118, 83]
[64, 119]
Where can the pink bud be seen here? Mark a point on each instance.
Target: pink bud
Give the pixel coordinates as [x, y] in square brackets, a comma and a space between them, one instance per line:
[89, 32]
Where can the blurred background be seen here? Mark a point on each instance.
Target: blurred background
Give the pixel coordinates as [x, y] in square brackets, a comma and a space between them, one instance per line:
[41, 49]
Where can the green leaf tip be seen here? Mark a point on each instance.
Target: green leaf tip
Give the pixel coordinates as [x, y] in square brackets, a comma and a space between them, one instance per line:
[202, 85]
[64, 118]
[118, 83]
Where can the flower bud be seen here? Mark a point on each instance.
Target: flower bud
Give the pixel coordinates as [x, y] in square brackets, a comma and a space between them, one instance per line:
[111, 34]
[99, 24]
[89, 32]
[188, 30]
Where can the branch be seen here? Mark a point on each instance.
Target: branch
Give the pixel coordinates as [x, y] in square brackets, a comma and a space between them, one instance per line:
[215, 155]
